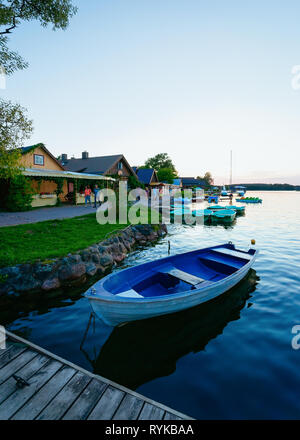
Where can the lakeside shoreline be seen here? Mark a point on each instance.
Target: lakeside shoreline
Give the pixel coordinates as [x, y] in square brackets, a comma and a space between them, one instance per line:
[77, 269]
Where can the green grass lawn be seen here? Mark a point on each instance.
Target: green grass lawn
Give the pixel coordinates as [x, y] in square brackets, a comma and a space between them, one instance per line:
[54, 238]
[49, 239]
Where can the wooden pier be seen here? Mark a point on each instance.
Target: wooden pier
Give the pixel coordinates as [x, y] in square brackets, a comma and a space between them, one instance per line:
[38, 385]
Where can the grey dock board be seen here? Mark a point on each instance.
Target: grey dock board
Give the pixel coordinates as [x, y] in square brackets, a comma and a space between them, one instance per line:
[108, 404]
[86, 402]
[150, 412]
[64, 399]
[129, 408]
[16, 364]
[169, 416]
[16, 400]
[5, 350]
[41, 399]
[10, 353]
[9, 386]
[59, 389]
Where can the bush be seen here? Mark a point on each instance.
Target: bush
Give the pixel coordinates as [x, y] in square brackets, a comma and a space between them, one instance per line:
[20, 193]
[133, 183]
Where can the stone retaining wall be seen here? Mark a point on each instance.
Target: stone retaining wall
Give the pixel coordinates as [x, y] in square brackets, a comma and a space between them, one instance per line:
[76, 269]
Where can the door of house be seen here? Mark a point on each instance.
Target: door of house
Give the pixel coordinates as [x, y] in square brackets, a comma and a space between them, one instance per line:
[70, 187]
[70, 195]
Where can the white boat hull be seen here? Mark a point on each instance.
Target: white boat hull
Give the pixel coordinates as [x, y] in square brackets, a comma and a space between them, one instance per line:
[113, 312]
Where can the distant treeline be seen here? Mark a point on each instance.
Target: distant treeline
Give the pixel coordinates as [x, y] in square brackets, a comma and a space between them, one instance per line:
[270, 186]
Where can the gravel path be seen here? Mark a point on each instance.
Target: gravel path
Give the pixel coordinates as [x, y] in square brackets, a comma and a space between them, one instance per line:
[42, 214]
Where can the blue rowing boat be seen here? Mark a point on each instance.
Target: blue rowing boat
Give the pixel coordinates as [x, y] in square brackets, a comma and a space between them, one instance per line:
[170, 284]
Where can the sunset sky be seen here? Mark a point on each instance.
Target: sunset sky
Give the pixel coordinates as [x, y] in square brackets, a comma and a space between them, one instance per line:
[192, 78]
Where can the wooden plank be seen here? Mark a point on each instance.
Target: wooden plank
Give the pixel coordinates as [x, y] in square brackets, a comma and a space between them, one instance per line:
[151, 412]
[14, 402]
[183, 276]
[44, 396]
[169, 416]
[86, 401]
[65, 398]
[16, 364]
[4, 350]
[129, 408]
[107, 405]
[11, 353]
[232, 253]
[112, 385]
[9, 386]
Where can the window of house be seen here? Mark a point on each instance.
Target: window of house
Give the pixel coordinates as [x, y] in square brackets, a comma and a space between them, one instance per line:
[120, 166]
[38, 159]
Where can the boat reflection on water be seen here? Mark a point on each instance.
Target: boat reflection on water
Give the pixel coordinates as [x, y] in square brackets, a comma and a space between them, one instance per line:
[141, 351]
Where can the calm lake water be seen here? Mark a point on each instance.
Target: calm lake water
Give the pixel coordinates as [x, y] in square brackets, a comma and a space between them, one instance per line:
[229, 359]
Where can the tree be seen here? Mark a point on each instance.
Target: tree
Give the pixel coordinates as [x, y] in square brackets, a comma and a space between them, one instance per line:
[15, 127]
[10, 60]
[207, 178]
[166, 175]
[13, 12]
[159, 161]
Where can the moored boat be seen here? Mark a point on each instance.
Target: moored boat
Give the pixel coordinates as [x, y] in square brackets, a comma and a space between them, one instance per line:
[141, 351]
[215, 207]
[249, 200]
[169, 284]
[238, 209]
[213, 199]
[224, 193]
[224, 214]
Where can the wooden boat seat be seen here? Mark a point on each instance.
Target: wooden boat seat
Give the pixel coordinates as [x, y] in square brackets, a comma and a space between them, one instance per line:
[232, 253]
[130, 294]
[183, 276]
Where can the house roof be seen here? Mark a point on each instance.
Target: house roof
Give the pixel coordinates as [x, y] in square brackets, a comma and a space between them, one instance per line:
[94, 165]
[66, 174]
[25, 150]
[145, 175]
[177, 182]
[192, 181]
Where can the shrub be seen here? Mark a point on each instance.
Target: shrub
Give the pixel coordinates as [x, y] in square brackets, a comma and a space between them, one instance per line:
[134, 183]
[20, 193]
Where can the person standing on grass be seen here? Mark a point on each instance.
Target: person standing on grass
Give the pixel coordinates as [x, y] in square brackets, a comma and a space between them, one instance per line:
[87, 195]
[96, 190]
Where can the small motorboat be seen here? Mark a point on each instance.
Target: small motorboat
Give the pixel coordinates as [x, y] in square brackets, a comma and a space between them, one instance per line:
[170, 284]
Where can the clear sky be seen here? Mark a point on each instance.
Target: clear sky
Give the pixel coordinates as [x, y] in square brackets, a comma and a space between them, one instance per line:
[193, 78]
